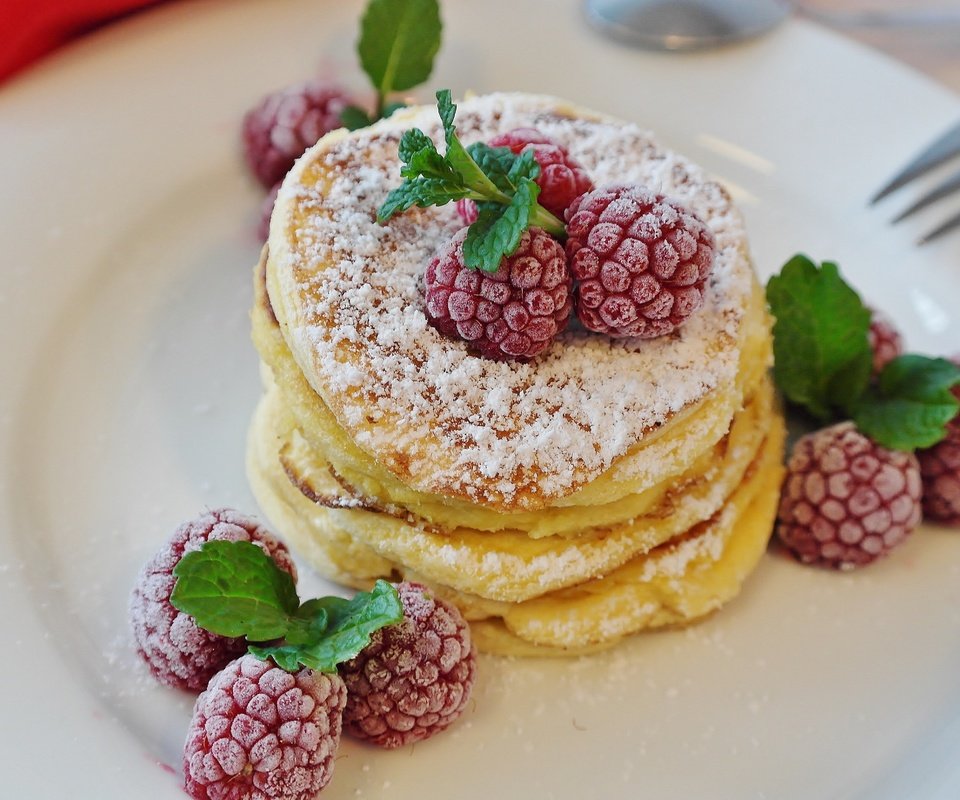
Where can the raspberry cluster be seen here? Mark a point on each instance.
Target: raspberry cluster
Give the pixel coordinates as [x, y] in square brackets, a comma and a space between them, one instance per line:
[640, 261]
[848, 501]
[260, 731]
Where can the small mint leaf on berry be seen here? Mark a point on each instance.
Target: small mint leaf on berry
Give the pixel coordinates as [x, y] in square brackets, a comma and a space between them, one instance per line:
[398, 42]
[353, 118]
[350, 623]
[911, 403]
[822, 356]
[498, 229]
[495, 162]
[235, 589]
[524, 166]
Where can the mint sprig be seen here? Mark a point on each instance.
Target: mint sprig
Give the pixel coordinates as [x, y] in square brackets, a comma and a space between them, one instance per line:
[823, 361]
[399, 40]
[349, 624]
[911, 403]
[235, 589]
[499, 181]
[821, 352]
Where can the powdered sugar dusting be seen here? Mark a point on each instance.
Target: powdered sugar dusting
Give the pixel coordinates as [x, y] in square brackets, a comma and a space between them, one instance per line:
[445, 421]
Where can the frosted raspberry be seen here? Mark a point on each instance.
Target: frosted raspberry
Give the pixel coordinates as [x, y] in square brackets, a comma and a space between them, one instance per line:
[514, 312]
[847, 500]
[561, 179]
[285, 123]
[467, 210]
[641, 261]
[885, 340]
[414, 678]
[940, 471]
[260, 733]
[519, 138]
[178, 652]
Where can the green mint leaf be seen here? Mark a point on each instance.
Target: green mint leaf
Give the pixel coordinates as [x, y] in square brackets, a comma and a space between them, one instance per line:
[354, 118]
[447, 111]
[498, 229]
[412, 142]
[285, 656]
[496, 163]
[911, 403]
[459, 158]
[524, 166]
[350, 623]
[235, 589]
[822, 356]
[308, 624]
[422, 192]
[428, 163]
[492, 176]
[429, 179]
[398, 42]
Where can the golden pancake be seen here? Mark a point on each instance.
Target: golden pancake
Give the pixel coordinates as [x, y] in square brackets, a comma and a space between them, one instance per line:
[347, 294]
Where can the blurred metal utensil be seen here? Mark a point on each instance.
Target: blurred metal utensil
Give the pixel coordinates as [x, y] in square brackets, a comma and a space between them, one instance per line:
[684, 24]
[936, 153]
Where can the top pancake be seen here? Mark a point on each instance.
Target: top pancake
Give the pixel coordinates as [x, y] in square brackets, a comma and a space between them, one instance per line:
[347, 293]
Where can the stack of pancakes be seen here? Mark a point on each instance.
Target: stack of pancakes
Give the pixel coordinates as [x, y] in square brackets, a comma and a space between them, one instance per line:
[606, 487]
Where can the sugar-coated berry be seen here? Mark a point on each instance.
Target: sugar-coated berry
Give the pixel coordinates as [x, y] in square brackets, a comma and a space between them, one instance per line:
[467, 210]
[640, 259]
[179, 653]
[261, 733]
[940, 472]
[519, 138]
[285, 123]
[512, 313]
[886, 343]
[562, 179]
[847, 500]
[414, 678]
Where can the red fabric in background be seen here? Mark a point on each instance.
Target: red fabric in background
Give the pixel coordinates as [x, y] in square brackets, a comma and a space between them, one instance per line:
[31, 28]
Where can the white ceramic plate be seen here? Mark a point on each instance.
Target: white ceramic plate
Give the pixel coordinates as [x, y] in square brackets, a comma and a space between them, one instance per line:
[128, 380]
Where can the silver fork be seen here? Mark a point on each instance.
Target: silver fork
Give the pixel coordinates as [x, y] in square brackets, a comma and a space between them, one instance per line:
[935, 154]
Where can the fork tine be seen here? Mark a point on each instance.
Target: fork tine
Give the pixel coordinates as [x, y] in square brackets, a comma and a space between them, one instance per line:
[946, 227]
[935, 154]
[948, 187]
